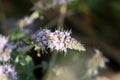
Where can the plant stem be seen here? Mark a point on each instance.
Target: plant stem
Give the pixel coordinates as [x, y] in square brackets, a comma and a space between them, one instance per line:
[63, 10]
[52, 62]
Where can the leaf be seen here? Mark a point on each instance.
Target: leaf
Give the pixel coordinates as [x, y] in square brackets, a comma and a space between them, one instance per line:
[28, 41]
[37, 48]
[17, 59]
[17, 36]
[28, 59]
[26, 68]
[22, 62]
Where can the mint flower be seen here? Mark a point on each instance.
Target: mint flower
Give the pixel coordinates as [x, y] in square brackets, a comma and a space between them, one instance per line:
[57, 40]
[3, 42]
[25, 21]
[7, 72]
[41, 38]
[5, 55]
[97, 61]
[4, 50]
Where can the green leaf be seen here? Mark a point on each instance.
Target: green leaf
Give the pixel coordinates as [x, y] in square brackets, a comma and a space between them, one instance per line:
[37, 48]
[17, 59]
[17, 36]
[28, 41]
[22, 62]
[28, 59]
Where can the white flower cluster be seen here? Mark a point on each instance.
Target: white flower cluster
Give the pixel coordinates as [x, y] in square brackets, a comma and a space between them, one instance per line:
[4, 51]
[97, 61]
[7, 72]
[58, 40]
[3, 41]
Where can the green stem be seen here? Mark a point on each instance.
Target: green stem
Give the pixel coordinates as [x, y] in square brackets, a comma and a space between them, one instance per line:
[52, 63]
